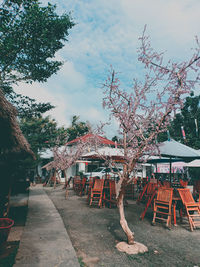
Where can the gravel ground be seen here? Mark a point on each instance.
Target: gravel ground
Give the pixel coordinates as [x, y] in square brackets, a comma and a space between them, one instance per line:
[94, 233]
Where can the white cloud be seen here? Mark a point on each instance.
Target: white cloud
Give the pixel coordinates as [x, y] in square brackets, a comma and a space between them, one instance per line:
[69, 93]
[107, 33]
[171, 23]
[41, 94]
[67, 78]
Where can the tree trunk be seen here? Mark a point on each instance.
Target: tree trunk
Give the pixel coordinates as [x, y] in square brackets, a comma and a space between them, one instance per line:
[120, 189]
[123, 222]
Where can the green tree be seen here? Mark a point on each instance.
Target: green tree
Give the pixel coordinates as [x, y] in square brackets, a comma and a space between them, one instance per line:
[115, 139]
[28, 107]
[42, 133]
[189, 119]
[77, 128]
[30, 35]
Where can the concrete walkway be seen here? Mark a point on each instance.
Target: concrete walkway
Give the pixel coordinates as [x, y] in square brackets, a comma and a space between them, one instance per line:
[44, 242]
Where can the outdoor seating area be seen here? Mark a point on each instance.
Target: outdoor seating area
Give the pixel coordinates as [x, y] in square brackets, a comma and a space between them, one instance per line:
[167, 200]
[154, 183]
[101, 192]
[100, 133]
[94, 232]
[192, 208]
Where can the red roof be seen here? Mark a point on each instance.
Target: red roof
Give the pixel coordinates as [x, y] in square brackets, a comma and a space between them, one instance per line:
[102, 140]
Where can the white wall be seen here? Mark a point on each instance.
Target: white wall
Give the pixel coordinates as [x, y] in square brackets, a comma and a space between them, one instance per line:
[71, 171]
[81, 167]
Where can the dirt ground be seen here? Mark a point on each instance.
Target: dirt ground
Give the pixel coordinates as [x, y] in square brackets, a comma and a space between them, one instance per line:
[94, 233]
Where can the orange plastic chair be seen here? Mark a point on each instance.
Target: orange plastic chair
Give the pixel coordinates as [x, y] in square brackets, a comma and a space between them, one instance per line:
[183, 183]
[91, 184]
[149, 196]
[192, 207]
[150, 190]
[142, 193]
[163, 206]
[97, 192]
[147, 190]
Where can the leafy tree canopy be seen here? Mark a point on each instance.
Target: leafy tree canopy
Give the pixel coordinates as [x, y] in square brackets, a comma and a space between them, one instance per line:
[189, 119]
[115, 139]
[28, 107]
[77, 128]
[30, 35]
[42, 133]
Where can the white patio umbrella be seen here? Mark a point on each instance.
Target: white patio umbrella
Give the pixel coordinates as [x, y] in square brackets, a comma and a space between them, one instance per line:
[174, 149]
[115, 153]
[194, 163]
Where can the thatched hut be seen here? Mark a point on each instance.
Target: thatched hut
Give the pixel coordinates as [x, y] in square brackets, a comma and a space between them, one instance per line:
[13, 147]
[12, 140]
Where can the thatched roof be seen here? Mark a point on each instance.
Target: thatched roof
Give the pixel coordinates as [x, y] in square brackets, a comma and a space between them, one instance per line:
[11, 137]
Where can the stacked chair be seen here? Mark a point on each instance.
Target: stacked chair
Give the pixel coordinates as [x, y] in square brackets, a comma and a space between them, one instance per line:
[129, 191]
[111, 196]
[148, 196]
[147, 191]
[142, 193]
[91, 184]
[79, 185]
[183, 183]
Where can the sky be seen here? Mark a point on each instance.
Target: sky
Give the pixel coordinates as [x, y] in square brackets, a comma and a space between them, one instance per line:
[106, 33]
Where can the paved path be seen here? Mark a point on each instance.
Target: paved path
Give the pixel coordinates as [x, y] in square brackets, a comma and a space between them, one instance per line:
[44, 242]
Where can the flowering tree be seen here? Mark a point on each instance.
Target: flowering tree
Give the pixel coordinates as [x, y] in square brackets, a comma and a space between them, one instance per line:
[66, 156]
[145, 111]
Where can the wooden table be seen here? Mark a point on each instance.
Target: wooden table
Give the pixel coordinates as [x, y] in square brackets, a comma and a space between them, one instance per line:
[175, 198]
